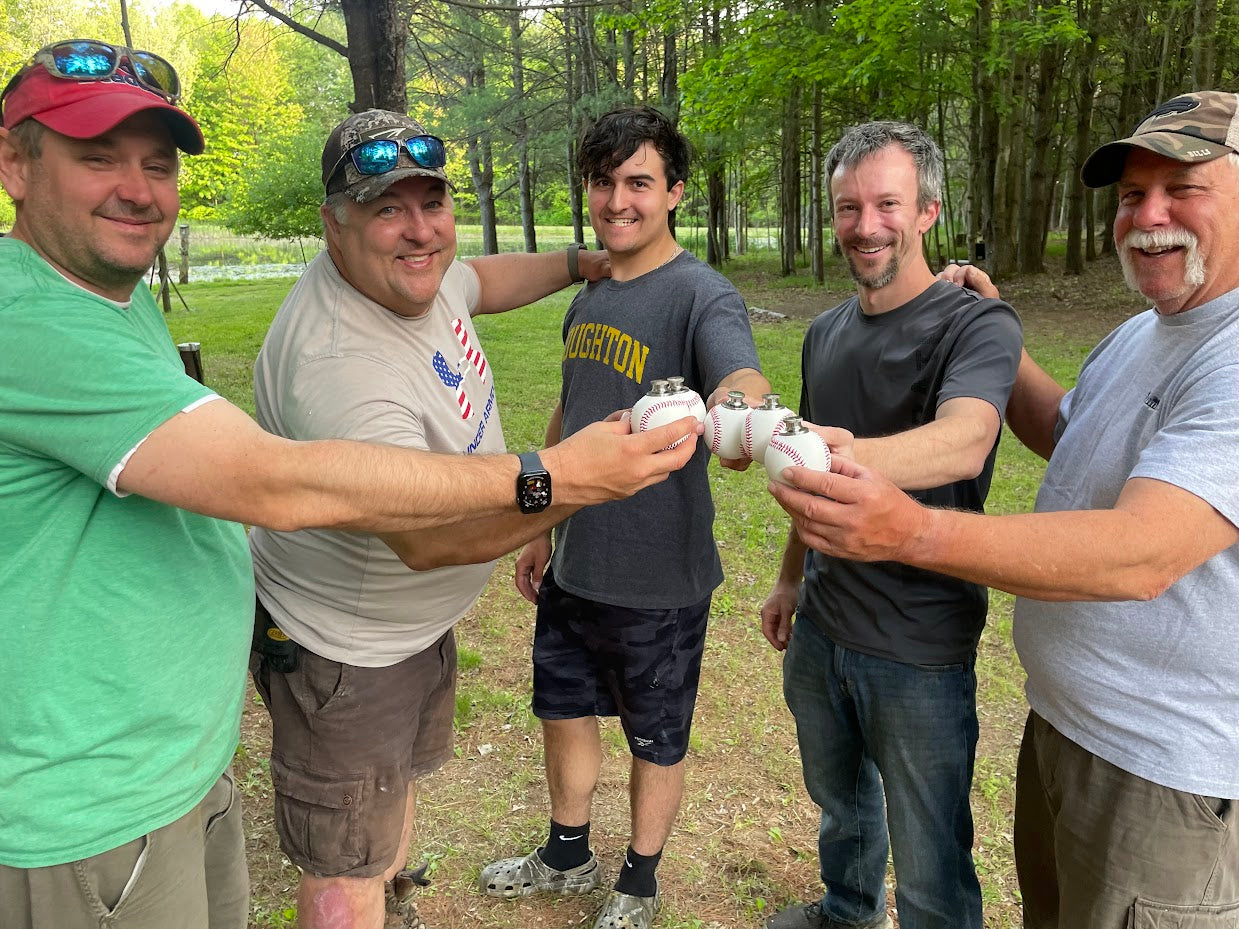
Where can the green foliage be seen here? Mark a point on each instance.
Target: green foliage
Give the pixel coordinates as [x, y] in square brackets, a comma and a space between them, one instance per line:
[283, 195]
[241, 95]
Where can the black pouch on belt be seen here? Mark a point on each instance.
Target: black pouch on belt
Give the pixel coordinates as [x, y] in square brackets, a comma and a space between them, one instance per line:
[279, 652]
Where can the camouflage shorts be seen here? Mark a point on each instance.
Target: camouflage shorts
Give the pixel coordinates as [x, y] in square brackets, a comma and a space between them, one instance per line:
[595, 659]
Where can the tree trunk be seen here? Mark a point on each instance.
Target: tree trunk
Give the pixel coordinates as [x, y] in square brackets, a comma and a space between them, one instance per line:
[983, 172]
[669, 83]
[523, 174]
[1090, 15]
[1035, 204]
[482, 167]
[789, 170]
[572, 95]
[378, 34]
[817, 212]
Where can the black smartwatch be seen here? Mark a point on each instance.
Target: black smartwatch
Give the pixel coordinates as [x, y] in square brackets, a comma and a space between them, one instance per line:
[533, 484]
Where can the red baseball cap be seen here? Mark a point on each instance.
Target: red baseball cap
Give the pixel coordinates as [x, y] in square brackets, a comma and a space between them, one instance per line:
[85, 109]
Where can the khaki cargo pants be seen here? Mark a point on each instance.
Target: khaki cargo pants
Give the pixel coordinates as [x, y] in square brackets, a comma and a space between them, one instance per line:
[189, 874]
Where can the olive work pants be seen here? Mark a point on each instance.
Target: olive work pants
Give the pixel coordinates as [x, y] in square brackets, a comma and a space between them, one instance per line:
[1099, 848]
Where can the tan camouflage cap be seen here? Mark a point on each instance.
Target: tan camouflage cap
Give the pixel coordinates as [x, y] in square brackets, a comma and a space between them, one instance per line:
[1193, 127]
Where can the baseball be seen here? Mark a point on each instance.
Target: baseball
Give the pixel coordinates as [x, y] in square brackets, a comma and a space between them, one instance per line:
[802, 449]
[725, 426]
[661, 406]
[761, 424]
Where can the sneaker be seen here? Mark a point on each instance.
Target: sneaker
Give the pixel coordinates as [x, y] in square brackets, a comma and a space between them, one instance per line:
[812, 917]
[522, 877]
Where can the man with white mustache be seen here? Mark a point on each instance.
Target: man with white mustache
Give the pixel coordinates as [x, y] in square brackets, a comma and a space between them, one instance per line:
[1128, 573]
[879, 667]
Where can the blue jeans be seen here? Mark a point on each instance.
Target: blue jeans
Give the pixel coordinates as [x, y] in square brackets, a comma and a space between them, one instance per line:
[867, 723]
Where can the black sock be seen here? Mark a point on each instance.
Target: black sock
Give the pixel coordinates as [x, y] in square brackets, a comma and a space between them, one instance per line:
[568, 847]
[637, 874]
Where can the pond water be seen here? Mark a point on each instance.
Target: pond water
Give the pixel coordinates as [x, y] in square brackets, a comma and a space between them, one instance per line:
[245, 272]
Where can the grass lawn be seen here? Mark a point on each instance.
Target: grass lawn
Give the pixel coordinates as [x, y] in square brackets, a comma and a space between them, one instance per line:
[745, 843]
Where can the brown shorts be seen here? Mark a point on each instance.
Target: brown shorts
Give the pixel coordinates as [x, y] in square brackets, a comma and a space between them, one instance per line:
[346, 742]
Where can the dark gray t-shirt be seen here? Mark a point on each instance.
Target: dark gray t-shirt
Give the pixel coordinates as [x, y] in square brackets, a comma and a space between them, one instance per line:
[655, 550]
[884, 374]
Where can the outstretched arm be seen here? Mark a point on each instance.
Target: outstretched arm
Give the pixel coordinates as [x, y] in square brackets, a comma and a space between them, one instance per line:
[215, 460]
[951, 448]
[1155, 534]
[514, 279]
[476, 540]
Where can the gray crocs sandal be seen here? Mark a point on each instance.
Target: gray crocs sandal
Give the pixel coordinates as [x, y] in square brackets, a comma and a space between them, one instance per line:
[521, 877]
[624, 911]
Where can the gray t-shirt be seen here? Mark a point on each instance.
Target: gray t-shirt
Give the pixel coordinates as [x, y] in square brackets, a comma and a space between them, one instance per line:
[1152, 687]
[884, 374]
[337, 365]
[655, 550]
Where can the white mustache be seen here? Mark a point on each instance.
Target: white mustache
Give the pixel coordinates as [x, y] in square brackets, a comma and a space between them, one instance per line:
[1160, 238]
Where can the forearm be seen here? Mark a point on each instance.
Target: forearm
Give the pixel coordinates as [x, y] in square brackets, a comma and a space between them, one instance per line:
[791, 566]
[1032, 411]
[514, 279]
[1046, 556]
[749, 381]
[474, 541]
[949, 449]
[479, 540]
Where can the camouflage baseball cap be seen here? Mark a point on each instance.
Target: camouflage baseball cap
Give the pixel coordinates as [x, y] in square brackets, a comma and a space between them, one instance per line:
[339, 173]
[1194, 127]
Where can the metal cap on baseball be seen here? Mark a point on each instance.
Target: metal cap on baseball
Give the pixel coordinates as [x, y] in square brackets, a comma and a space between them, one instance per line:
[665, 404]
[796, 446]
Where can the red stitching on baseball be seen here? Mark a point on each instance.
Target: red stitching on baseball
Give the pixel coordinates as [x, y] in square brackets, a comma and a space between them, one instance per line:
[718, 431]
[791, 452]
[661, 405]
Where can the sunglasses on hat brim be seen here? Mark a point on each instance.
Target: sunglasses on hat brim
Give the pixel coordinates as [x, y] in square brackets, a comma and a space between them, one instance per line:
[378, 156]
[92, 60]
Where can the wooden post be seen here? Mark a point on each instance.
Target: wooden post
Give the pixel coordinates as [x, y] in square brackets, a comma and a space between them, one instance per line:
[184, 277]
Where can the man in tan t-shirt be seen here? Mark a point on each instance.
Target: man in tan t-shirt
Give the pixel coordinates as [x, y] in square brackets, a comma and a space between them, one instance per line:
[375, 342]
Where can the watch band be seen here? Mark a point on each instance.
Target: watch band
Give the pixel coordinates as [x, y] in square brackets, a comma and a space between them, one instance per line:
[574, 264]
[530, 461]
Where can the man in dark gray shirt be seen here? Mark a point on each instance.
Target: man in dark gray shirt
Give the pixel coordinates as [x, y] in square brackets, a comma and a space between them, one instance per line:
[879, 667]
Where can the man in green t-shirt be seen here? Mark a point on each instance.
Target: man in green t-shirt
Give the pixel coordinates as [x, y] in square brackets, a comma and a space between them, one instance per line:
[127, 591]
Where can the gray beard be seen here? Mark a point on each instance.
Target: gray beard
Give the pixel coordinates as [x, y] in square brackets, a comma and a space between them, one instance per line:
[878, 281]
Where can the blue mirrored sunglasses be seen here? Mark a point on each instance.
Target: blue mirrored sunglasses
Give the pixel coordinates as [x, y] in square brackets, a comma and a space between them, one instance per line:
[378, 156]
[92, 60]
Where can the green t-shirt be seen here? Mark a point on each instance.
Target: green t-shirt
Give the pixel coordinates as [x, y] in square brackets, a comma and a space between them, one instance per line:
[124, 623]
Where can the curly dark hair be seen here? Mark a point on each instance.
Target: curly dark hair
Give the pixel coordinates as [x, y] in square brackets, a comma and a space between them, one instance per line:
[614, 136]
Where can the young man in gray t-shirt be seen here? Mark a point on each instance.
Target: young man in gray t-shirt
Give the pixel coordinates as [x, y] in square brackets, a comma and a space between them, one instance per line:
[622, 608]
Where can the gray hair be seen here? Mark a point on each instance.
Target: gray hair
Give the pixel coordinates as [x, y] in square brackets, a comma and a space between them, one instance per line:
[859, 142]
[27, 137]
[338, 204]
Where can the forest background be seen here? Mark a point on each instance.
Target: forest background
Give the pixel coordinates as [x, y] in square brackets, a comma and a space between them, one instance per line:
[1017, 93]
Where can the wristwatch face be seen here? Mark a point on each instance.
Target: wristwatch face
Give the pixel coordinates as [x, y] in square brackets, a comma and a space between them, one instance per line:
[535, 492]
[533, 484]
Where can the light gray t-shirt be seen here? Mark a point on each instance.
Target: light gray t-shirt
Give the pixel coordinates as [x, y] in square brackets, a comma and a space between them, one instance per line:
[336, 365]
[1152, 687]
